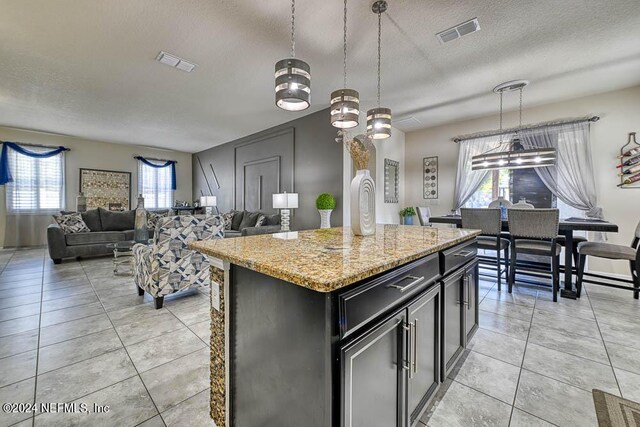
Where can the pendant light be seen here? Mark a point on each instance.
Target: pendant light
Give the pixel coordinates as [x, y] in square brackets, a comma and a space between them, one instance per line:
[516, 157]
[379, 119]
[345, 103]
[293, 77]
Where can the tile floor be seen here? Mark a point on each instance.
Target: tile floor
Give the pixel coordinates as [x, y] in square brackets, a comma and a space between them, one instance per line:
[534, 362]
[75, 333]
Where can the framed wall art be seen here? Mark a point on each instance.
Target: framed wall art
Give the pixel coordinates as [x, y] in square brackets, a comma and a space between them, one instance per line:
[106, 189]
[430, 177]
[391, 181]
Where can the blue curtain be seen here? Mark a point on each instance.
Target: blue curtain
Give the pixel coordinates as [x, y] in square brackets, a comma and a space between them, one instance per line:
[5, 174]
[168, 163]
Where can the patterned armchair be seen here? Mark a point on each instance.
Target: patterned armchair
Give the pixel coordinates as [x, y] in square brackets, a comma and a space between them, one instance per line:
[168, 265]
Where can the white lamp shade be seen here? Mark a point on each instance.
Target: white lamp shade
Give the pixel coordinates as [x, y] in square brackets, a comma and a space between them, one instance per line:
[208, 201]
[285, 200]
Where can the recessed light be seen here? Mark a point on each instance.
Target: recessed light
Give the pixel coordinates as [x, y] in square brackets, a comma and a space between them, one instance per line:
[175, 62]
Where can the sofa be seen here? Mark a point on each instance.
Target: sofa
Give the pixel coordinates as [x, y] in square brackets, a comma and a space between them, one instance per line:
[105, 227]
[168, 265]
[243, 224]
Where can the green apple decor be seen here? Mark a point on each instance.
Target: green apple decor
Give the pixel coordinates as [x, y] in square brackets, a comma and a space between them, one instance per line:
[407, 215]
[325, 203]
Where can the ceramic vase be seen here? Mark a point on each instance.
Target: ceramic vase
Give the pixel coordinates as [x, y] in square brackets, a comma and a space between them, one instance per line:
[325, 218]
[81, 202]
[363, 204]
[141, 232]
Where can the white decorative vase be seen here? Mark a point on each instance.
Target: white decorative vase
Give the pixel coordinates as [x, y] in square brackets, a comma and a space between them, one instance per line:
[325, 218]
[363, 204]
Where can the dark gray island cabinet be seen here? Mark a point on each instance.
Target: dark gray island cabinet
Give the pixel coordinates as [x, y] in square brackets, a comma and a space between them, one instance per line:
[367, 350]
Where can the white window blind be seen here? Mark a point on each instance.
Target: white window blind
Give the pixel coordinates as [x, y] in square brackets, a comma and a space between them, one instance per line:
[37, 185]
[155, 186]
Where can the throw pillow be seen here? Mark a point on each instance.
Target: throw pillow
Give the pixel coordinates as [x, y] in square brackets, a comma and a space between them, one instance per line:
[71, 223]
[237, 219]
[249, 219]
[92, 219]
[117, 221]
[273, 219]
[261, 220]
[227, 219]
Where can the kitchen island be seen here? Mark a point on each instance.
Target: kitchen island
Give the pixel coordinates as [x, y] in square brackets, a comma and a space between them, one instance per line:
[323, 328]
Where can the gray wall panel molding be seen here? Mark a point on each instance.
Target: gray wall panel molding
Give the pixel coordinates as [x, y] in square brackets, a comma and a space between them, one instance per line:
[311, 163]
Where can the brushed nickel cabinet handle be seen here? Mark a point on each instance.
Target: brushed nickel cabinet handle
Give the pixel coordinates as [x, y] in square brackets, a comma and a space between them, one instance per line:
[464, 254]
[415, 346]
[416, 280]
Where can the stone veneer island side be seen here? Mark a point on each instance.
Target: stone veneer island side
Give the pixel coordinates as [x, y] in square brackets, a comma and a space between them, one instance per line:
[324, 328]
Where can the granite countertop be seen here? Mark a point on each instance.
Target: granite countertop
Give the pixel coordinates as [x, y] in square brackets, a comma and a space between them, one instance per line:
[328, 259]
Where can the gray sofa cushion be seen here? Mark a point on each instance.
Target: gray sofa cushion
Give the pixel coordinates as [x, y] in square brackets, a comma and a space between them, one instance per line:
[75, 239]
[273, 219]
[237, 219]
[249, 219]
[92, 219]
[117, 221]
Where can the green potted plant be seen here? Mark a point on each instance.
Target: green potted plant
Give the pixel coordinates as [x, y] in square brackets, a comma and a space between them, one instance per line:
[325, 203]
[407, 215]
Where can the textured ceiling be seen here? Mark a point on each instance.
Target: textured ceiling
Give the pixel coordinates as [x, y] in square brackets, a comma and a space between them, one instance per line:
[87, 67]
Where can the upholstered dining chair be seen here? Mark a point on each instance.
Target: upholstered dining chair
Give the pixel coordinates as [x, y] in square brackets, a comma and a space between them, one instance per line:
[168, 265]
[534, 232]
[424, 213]
[490, 223]
[615, 252]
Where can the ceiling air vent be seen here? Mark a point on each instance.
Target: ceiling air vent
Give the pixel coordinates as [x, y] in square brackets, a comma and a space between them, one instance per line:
[468, 27]
[407, 123]
[175, 62]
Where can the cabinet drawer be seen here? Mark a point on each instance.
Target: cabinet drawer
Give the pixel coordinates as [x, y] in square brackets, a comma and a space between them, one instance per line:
[370, 300]
[457, 256]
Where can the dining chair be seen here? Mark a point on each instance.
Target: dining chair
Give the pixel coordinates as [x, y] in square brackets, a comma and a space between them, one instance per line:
[534, 232]
[424, 214]
[490, 223]
[500, 201]
[522, 204]
[615, 252]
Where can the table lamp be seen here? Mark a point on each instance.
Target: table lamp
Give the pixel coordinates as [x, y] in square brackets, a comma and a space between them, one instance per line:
[208, 202]
[285, 201]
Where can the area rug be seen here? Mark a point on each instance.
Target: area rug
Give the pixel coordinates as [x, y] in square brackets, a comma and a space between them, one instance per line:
[614, 411]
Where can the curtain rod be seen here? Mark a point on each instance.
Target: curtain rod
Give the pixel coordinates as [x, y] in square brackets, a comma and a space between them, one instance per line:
[527, 127]
[26, 144]
[157, 160]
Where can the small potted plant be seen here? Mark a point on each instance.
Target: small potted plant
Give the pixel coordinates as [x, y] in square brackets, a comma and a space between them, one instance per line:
[325, 203]
[407, 215]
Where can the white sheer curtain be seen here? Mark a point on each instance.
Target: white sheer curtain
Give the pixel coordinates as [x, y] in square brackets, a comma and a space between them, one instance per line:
[155, 186]
[572, 179]
[467, 180]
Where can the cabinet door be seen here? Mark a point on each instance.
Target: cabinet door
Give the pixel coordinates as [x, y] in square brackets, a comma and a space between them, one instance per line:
[453, 336]
[373, 376]
[423, 351]
[472, 290]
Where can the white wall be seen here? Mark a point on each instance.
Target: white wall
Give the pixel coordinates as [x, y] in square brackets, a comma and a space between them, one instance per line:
[392, 148]
[620, 114]
[84, 154]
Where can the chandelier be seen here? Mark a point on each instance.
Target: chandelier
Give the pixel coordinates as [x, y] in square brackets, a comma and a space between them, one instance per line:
[517, 157]
[379, 119]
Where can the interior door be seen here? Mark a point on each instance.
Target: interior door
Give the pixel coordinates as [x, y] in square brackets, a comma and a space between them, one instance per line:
[452, 327]
[261, 179]
[424, 351]
[372, 382]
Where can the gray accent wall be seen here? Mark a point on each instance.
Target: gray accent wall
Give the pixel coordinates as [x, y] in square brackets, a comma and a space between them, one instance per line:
[298, 156]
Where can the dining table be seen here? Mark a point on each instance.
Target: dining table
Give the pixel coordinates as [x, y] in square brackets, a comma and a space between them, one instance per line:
[566, 227]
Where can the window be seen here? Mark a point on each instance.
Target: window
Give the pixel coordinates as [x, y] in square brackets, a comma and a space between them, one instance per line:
[37, 185]
[155, 186]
